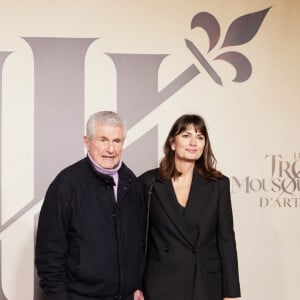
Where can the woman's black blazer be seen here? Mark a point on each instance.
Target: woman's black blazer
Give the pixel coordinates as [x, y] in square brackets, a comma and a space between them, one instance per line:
[192, 252]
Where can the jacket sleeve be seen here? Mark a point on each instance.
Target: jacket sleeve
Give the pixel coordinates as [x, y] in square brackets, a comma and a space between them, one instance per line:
[51, 242]
[226, 243]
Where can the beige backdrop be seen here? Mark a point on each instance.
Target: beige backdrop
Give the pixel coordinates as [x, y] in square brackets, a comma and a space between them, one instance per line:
[254, 125]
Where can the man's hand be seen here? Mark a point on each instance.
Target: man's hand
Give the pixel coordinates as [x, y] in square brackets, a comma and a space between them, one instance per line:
[138, 295]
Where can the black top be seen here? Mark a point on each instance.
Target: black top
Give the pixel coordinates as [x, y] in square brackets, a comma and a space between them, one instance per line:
[87, 243]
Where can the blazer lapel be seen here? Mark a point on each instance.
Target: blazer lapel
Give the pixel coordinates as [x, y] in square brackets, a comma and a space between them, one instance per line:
[196, 201]
[166, 196]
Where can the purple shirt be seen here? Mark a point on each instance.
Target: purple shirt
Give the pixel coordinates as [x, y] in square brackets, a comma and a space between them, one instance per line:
[111, 172]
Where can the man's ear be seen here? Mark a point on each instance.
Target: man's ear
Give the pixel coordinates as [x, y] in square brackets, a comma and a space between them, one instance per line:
[86, 141]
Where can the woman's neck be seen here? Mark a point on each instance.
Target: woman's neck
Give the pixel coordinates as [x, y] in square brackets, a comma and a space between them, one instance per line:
[185, 168]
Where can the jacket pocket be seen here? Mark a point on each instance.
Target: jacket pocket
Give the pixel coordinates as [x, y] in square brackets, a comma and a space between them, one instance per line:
[98, 264]
[213, 265]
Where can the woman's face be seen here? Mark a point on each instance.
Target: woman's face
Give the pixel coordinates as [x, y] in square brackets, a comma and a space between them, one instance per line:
[188, 145]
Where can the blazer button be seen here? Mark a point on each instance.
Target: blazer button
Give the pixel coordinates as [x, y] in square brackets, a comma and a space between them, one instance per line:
[193, 251]
[166, 249]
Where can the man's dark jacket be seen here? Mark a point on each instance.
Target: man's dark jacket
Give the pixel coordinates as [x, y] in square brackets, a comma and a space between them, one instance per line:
[87, 244]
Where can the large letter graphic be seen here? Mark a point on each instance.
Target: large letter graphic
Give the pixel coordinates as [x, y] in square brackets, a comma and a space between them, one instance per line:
[59, 108]
[59, 111]
[138, 95]
[59, 105]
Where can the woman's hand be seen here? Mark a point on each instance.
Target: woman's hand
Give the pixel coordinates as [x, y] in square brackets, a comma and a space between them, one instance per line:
[138, 295]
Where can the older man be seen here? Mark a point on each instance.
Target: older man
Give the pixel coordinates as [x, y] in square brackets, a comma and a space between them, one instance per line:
[91, 227]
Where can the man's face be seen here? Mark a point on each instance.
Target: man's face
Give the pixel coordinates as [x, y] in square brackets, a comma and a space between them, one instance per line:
[106, 146]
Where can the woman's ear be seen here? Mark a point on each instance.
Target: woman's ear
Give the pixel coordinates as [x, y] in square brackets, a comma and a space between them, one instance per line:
[172, 144]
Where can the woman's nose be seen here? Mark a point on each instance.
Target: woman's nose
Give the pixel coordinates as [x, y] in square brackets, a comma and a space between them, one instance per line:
[193, 141]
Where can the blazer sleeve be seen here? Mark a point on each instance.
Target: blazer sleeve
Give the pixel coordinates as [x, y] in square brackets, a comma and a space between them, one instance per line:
[51, 243]
[226, 243]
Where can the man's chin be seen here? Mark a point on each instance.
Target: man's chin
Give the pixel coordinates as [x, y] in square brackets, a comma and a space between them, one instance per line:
[108, 165]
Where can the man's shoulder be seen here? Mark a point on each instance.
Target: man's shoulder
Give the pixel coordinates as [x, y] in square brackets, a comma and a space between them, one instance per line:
[65, 180]
[125, 170]
[72, 171]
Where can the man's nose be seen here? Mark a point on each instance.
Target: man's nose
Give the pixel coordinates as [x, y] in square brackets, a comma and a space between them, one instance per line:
[110, 147]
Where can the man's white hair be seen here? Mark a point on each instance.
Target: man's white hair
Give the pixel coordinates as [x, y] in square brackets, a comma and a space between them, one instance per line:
[105, 117]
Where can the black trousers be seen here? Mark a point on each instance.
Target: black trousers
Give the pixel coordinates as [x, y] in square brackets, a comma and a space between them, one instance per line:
[80, 297]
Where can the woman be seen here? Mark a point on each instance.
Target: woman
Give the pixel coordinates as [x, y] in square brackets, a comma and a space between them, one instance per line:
[191, 252]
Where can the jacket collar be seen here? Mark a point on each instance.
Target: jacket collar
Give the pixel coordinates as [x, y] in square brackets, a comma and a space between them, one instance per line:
[125, 175]
[167, 197]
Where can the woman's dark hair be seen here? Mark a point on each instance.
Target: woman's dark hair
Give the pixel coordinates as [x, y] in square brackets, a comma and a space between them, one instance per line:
[205, 165]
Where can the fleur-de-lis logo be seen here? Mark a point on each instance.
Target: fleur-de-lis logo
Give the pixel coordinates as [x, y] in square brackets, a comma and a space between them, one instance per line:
[240, 32]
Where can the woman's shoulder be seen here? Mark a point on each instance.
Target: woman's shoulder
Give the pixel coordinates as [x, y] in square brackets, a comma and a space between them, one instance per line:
[223, 180]
[148, 176]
